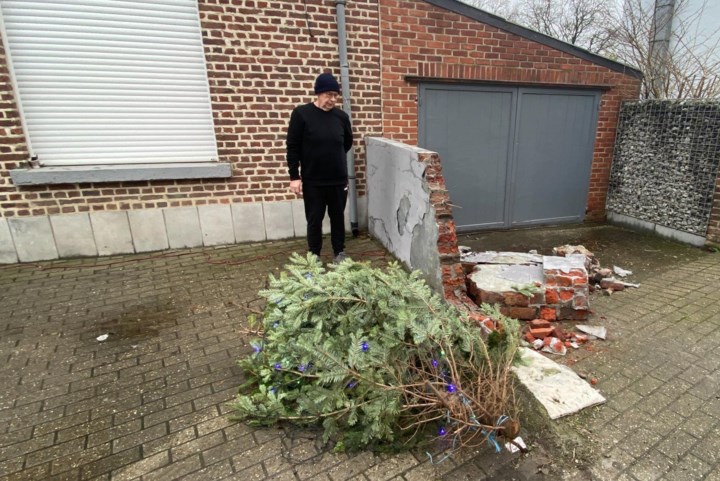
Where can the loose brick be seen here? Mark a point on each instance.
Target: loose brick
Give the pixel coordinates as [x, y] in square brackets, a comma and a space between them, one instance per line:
[541, 332]
[539, 323]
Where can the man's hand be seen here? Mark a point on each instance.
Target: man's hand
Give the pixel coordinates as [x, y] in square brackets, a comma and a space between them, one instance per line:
[296, 186]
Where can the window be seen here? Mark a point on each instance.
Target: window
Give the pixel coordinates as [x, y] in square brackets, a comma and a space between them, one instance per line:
[110, 82]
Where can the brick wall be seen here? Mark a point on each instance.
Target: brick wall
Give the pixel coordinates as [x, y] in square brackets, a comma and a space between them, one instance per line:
[421, 40]
[262, 59]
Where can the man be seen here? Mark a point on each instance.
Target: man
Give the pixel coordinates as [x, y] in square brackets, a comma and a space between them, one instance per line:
[318, 139]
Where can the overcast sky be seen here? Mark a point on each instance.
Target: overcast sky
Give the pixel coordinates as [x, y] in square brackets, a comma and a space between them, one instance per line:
[708, 22]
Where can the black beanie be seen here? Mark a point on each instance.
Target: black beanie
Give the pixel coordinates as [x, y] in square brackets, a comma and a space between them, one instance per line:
[326, 83]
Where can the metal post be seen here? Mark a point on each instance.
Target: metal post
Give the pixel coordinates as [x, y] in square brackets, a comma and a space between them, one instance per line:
[660, 45]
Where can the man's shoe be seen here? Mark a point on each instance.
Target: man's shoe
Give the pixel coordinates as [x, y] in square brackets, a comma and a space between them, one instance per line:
[341, 256]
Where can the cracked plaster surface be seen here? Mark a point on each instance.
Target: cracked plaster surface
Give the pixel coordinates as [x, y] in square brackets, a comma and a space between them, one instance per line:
[399, 211]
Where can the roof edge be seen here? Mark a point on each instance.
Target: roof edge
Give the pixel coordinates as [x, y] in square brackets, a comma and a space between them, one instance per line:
[499, 22]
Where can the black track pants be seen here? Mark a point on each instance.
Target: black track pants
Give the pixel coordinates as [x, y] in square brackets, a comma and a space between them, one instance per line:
[317, 199]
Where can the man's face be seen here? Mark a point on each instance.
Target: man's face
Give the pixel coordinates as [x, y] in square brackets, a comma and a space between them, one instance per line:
[327, 100]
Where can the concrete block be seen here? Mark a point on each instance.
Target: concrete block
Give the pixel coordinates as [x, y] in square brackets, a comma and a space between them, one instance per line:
[646, 226]
[278, 220]
[33, 238]
[148, 230]
[248, 222]
[216, 224]
[183, 227]
[679, 236]
[299, 221]
[7, 247]
[73, 235]
[112, 232]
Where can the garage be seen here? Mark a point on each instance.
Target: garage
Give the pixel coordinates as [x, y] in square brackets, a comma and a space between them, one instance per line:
[512, 156]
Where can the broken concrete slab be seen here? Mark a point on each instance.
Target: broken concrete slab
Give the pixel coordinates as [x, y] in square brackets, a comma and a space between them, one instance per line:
[598, 331]
[556, 387]
[491, 257]
[563, 264]
[506, 278]
[621, 272]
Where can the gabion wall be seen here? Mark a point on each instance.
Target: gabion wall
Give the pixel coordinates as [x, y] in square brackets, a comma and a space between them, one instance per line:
[666, 162]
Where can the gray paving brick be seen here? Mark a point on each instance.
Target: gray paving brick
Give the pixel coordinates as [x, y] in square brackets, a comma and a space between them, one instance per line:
[166, 442]
[193, 418]
[178, 469]
[142, 467]
[221, 470]
[115, 432]
[197, 446]
[70, 464]
[139, 437]
[110, 463]
[163, 415]
[178, 374]
[11, 466]
[55, 451]
[31, 473]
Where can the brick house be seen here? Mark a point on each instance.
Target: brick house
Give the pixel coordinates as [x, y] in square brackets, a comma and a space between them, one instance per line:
[140, 127]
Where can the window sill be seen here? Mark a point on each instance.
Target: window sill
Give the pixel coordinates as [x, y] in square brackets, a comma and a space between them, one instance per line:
[120, 173]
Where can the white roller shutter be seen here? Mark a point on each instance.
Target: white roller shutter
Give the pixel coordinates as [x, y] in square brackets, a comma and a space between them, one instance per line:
[111, 81]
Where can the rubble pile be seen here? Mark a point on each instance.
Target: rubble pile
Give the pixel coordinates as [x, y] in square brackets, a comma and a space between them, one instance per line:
[542, 289]
[529, 286]
[543, 336]
[598, 277]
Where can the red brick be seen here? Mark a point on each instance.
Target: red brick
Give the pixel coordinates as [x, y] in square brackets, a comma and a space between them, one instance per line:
[539, 323]
[515, 299]
[541, 332]
[551, 297]
[580, 301]
[548, 313]
[491, 297]
[568, 313]
[525, 313]
[566, 295]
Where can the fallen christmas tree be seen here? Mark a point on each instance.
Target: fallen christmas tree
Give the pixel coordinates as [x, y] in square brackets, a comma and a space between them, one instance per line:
[377, 358]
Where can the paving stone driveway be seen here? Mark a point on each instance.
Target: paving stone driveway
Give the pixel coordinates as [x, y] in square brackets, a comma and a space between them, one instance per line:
[149, 402]
[660, 370]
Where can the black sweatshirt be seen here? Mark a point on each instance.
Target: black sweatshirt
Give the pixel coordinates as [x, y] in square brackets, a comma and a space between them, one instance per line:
[317, 144]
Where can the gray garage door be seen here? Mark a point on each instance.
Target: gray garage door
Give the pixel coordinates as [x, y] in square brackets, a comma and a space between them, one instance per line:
[511, 156]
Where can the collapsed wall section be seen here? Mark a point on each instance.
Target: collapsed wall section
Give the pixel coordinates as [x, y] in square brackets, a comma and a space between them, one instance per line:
[409, 213]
